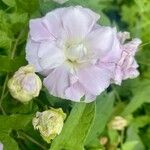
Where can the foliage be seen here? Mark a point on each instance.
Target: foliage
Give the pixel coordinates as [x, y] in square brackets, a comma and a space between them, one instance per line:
[86, 124]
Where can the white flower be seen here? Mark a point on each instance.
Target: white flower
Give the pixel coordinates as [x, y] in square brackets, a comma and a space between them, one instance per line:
[25, 84]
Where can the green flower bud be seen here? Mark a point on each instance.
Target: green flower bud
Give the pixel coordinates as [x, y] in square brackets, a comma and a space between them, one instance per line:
[118, 123]
[103, 140]
[25, 84]
[49, 123]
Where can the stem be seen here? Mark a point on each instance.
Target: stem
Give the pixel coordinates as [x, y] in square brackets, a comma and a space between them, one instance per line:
[23, 135]
[116, 94]
[7, 76]
[121, 140]
[2, 95]
[15, 45]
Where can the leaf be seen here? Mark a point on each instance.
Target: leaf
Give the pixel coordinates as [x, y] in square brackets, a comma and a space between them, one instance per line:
[10, 3]
[9, 65]
[76, 128]
[104, 108]
[18, 18]
[14, 122]
[141, 96]
[5, 41]
[132, 135]
[8, 142]
[129, 145]
[29, 6]
[8, 123]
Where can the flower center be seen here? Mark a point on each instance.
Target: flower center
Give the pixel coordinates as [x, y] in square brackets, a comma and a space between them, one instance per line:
[75, 55]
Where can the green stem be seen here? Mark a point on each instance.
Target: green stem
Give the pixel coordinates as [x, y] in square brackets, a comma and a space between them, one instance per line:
[23, 136]
[116, 93]
[121, 140]
[2, 95]
[7, 76]
[15, 45]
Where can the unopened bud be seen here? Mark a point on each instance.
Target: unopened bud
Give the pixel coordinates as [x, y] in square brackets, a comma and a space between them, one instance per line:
[103, 140]
[118, 123]
[25, 84]
[49, 123]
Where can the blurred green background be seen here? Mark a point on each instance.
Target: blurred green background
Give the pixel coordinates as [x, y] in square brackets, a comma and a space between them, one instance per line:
[131, 100]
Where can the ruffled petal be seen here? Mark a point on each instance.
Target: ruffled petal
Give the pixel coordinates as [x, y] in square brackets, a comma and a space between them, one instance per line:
[50, 56]
[38, 31]
[114, 54]
[95, 80]
[53, 22]
[100, 40]
[57, 81]
[78, 22]
[75, 92]
[32, 54]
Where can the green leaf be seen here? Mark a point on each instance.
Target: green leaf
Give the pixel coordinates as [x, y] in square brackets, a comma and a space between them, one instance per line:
[141, 96]
[18, 18]
[76, 128]
[5, 41]
[104, 108]
[9, 65]
[10, 3]
[129, 145]
[29, 6]
[8, 142]
[132, 135]
[8, 123]
[14, 122]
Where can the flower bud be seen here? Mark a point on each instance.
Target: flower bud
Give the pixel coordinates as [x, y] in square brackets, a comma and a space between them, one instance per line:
[118, 123]
[103, 140]
[49, 123]
[25, 84]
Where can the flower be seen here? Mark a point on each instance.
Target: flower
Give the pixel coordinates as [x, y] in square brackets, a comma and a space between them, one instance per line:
[121, 63]
[77, 56]
[49, 123]
[25, 84]
[118, 123]
[127, 66]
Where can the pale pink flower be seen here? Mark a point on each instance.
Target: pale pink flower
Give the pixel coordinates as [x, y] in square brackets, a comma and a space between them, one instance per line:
[77, 56]
[125, 66]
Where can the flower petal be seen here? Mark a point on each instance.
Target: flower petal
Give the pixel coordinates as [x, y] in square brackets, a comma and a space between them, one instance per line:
[100, 40]
[95, 80]
[38, 31]
[50, 56]
[114, 54]
[78, 22]
[74, 92]
[53, 22]
[32, 54]
[57, 81]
